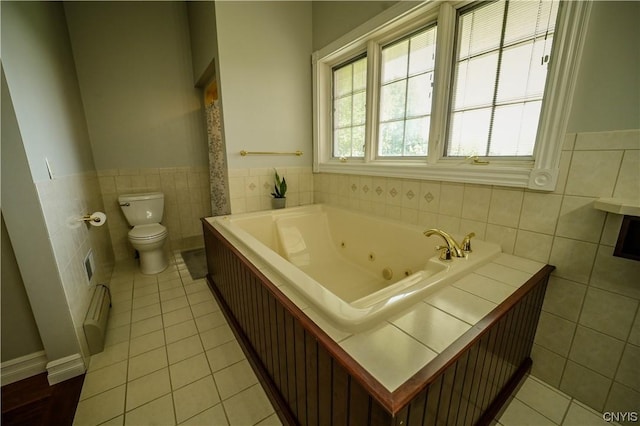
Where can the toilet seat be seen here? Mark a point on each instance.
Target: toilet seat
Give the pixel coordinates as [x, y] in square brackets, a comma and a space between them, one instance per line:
[143, 233]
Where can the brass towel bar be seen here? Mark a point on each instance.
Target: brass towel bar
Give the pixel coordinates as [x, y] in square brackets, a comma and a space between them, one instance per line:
[245, 153]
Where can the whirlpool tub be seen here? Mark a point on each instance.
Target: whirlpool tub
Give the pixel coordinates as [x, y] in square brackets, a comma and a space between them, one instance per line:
[349, 318]
[354, 268]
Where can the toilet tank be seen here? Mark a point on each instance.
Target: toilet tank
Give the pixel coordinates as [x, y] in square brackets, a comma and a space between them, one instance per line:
[142, 209]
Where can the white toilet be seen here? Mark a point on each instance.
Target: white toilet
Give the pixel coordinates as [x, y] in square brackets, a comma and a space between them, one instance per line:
[144, 212]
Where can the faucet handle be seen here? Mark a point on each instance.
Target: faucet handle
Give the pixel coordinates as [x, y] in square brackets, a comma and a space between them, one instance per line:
[466, 242]
[445, 252]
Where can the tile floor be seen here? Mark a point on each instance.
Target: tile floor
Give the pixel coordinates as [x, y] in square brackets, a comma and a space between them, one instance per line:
[170, 358]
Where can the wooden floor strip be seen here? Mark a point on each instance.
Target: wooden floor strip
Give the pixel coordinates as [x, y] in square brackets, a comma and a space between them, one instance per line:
[33, 402]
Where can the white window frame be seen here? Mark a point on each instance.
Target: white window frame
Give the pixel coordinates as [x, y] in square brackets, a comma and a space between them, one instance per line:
[538, 173]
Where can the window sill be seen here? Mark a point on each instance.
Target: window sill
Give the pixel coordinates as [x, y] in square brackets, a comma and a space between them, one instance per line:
[519, 176]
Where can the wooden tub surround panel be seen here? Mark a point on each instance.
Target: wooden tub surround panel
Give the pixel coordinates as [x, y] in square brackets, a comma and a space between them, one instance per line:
[311, 380]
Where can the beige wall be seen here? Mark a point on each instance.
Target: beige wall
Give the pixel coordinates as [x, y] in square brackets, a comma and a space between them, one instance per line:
[265, 75]
[135, 74]
[332, 19]
[29, 235]
[41, 213]
[607, 95]
[20, 335]
[204, 38]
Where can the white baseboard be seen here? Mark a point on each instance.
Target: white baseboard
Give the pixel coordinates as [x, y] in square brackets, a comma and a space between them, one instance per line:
[65, 368]
[23, 367]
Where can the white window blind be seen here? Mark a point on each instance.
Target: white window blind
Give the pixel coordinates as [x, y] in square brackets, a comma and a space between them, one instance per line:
[502, 57]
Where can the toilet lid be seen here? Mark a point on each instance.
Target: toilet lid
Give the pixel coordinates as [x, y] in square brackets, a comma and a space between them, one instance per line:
[146, 232]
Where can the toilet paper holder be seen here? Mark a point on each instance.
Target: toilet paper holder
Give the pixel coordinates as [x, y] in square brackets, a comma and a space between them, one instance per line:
[94, 219]
[90, 218]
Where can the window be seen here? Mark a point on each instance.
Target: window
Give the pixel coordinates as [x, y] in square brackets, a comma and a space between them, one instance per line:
[433, 91]
[406, 89]
[501, 61]
[349, 97]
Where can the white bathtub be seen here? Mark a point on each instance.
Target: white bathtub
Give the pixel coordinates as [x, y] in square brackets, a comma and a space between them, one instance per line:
[354, 268]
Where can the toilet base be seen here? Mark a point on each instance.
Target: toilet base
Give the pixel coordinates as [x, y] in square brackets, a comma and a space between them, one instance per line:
[153, 262]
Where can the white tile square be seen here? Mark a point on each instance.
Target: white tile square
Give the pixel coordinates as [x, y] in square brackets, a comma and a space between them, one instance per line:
[177, 316]
[121, 285]
[140, 280]
[145, 312]
[272, 420]
[195, 398]
[217, 336]
[146, 343]
[200, 297]
[189, 370]
[628, 182]
[122, 295]
[518, 413]
[100, 408]
[207, 307]
[224, 355]
[593, 173]
[174, 304]
[118, 319]
[462, 305]
[183, 349]
[146, 326]
[485, 287]
[145, 291]
[113, 336]
[211, 416]
[147, 300]
[169, 274]
[171, 293]
[579, 220]
[116, 421]
[196, 286]
[147, 362]
[180, 331]
[234, 379]
[573, 259]
[434, 328]
[209, 321]
[546, 400]
[540, 212]
[121, 305]
[504, 209]
[248, 407]
[476, 202]
[519, 263]
[504, 274]
[104, 379]
[629, 370]
[170, 284]
[533, 245]
[110, 355]
[147, 388]
[156, 412]
[580, 415]
[389, 354]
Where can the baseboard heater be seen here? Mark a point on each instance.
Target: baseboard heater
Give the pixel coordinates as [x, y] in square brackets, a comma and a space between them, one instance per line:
[95, 324]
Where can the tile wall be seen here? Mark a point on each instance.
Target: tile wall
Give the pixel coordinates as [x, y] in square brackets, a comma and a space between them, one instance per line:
[64, 200]
[588, 340]
[187, 199]
[250, 189]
